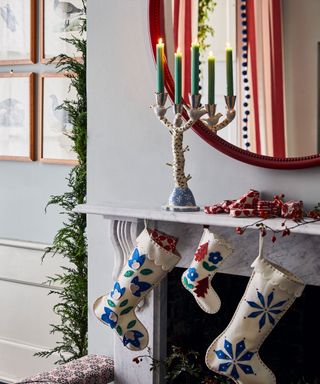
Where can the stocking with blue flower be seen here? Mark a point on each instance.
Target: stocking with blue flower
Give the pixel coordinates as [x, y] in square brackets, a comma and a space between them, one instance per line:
[210, 255]
[269, 294]
[153, 257]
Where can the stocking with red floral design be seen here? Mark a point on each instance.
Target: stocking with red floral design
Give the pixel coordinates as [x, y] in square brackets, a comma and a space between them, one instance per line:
[210, 255]
[151, 260]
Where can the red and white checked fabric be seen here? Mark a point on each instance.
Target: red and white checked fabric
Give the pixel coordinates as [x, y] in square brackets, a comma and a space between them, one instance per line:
[292, 210]
[169, 243]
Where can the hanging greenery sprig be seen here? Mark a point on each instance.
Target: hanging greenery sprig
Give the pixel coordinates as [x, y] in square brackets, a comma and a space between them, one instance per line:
[70, 241]
[206, 7]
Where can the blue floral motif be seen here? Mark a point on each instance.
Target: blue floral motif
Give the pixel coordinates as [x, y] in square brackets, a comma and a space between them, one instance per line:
[132, 337]
[235, 359]
[109, 317]
[136, 286]
[136, 260]
[192, 274]
[117, 291]
[265, 309]
[215, 257]
[182, 197]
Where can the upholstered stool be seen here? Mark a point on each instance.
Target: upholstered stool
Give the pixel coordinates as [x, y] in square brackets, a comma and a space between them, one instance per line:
[92, 369]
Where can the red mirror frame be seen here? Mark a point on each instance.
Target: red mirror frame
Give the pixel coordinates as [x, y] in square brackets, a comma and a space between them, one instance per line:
[210, 137]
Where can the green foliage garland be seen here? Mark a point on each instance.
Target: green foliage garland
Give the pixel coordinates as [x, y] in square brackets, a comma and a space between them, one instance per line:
[70, 240]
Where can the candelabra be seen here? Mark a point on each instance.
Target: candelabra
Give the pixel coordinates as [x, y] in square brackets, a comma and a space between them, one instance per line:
[181, 198]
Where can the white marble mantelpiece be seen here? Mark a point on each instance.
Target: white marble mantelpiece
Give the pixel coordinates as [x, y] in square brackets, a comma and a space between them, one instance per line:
[131, 211]
[298, 253]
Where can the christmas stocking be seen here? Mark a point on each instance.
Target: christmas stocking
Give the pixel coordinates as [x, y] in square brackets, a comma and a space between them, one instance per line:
[151, 260]
[210, 255]
[269, 294]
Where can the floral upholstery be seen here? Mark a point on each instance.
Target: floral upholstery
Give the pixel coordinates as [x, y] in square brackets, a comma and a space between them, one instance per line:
[92, 369]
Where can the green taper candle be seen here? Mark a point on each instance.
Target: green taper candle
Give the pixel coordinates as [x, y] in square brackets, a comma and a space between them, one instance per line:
[195, 68]
[177, 77]
[229, 71]
[160, 66]
[211, 78]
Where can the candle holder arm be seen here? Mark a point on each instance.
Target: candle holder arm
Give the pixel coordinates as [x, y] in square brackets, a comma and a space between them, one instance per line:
[212, 122]
[229, 117]
[167, 123]
[187, 125]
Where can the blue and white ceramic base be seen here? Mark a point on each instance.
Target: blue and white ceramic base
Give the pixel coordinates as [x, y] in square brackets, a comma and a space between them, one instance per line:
[181, 200]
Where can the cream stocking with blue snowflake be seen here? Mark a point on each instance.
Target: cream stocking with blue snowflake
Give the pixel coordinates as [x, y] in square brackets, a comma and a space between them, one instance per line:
[269, 294]
[210, 255]
[151, 260]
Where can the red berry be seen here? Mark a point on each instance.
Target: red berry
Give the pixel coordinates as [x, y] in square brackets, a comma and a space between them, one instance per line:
[239, 230]
[136, 360]
[273, 239]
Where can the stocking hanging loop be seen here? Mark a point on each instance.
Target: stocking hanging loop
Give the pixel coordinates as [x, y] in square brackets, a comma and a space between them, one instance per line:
[261, 240]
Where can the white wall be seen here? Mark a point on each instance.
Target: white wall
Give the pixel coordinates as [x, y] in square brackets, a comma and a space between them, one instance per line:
[25, 187]
[26, 309]
[128, 147]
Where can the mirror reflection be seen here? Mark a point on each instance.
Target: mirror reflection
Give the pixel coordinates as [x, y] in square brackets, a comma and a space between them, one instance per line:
[276, 51]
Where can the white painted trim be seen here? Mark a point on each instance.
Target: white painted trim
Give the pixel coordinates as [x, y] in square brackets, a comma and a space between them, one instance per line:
[6, 380]
[30, 245]
[35, 348]
[25, 346]
[27, 275]
[24, 244]
[23, 282]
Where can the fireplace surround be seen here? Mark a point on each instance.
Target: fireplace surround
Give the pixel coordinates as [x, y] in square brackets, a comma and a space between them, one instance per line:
[298, 253]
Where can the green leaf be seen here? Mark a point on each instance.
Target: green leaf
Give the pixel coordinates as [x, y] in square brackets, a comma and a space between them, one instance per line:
[124, 303]
[146, 271]
[111, 303]
[119, 330]
[131, 324]
[125, 311]
[208, 267]
[185, 282]
[128, 273]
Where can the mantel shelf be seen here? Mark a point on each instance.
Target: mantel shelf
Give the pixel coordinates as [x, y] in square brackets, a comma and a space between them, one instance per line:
[133, 211]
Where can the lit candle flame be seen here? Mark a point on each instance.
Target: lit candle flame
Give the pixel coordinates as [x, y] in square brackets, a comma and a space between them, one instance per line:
[160, 40]
[228, 45]
[210, 54]
[178, 51]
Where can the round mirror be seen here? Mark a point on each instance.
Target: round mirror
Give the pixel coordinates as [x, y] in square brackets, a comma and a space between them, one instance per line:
[276, 72]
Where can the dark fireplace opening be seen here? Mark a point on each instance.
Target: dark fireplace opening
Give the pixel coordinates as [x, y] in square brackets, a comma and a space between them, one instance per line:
[291, 351]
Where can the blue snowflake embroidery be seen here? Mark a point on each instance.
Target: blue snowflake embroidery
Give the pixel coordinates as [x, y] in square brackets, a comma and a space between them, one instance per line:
[132, 337]
[109, 317]
[136, 260]
[117, 291]
[235, 360]
[215, 257]
[265, 309]
[137, 287]
[192, 274]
